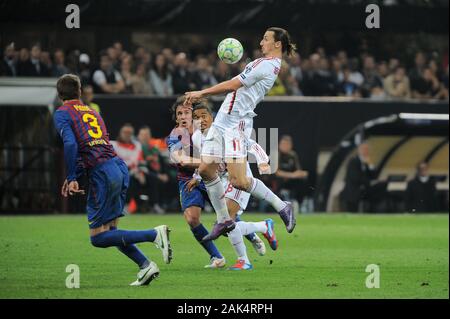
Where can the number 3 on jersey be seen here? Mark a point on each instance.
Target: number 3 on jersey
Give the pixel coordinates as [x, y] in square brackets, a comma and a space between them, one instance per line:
[91, 120]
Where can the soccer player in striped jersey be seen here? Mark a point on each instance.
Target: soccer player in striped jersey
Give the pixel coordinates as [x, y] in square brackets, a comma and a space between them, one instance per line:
[87, 150]
[192, 203]
[228, 136]
[236, 200]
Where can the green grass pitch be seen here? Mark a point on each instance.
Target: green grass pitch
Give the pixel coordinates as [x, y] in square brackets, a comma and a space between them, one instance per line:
[325, 257]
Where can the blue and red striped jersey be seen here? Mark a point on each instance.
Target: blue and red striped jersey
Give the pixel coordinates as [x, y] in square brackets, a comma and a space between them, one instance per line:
[85, 137]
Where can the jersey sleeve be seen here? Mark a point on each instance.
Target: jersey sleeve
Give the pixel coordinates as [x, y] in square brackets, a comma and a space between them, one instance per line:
[255, 72]
[256, 150]
[174, 142]
[62, 123]
[197, 141]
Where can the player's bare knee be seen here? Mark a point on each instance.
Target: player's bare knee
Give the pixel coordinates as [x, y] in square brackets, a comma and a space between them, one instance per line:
[192, 219]
[239, 183]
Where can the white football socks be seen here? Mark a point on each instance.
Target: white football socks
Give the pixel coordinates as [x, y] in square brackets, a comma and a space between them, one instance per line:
[236, 239]
[216, 194]
[262, 192]
[251, 227]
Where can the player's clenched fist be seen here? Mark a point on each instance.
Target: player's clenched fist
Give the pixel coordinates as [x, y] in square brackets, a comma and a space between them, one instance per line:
[74, 189]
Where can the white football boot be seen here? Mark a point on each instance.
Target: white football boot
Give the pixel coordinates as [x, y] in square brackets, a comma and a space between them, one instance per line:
[162, 242]
[259, 246]
[146, 275]
[216, 263]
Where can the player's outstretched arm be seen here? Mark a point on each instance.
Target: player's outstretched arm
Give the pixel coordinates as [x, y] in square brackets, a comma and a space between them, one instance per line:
[221, 88]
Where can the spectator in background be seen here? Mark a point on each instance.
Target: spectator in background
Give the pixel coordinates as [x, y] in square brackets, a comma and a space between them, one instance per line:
[139, 81]
[118, 46]
[383, 70]
[222, 72]
[107, 79]
[421, 191]
[295, 68]
[319, 80]
[182, 77]
[47, 61]
[343, 58]
[325, 79]
[59, 68]
[31, 65]
[355, 76]
[336, 70]
[87, 96]
[393, 64]
[169, 56]
[428, 86]
[72, 61]
[373, 83]
[114, 57]
[130, 151]
[84, 70]
[360, 183]
[125, 71]
[8, 66]
[397, 84]
[204, 77]
[156, 177]
[160, 77]
[347, 87]
[290, 178]
[442, 93]
[416, 74]
[139, 54]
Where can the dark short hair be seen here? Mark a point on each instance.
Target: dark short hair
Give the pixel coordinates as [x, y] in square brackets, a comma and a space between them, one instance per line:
[127, 124]
[68, 87]
[202, 105]
[145, 127]
[173, 108]
[286, 138]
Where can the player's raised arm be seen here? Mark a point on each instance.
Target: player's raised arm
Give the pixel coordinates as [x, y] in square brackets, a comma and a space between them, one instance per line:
[221, 88]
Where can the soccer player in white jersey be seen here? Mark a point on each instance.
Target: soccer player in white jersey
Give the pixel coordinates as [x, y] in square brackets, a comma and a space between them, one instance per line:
[228, 137]
[236, 200]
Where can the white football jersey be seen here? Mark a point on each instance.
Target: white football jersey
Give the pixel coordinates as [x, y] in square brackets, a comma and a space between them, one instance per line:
[257, 79]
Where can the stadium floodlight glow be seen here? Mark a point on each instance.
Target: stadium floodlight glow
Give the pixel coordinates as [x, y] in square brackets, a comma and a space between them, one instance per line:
[424, 116]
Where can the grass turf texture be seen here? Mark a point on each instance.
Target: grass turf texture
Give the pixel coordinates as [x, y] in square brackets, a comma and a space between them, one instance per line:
[325, 257]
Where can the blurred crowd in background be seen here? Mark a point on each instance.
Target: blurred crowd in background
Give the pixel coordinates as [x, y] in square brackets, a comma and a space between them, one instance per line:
[118, 70]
